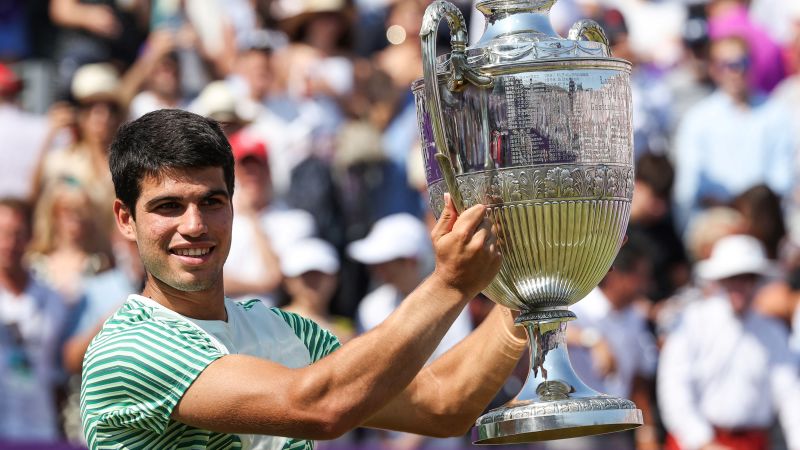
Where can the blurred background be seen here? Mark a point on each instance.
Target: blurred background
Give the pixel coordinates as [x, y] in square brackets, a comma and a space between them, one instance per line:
[331, 209]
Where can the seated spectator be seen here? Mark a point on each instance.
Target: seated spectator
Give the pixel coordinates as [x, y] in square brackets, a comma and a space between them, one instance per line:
[70, 242]
[709, 227]
[32, 319]
[24, 135]
[85, 161]
[726, 371]
[160, 76]
[651, 219]
[310, 267]
[732, 140]
[262, 227]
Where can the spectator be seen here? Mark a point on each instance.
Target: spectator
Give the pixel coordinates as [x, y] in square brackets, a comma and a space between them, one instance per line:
[262, 227]
[730, 18]
[726, 371]
[97, 30]
[709, 227]
[70, 242]
[85, 161]
[651, 219]
[311, 267]
[32, 319]
[733, 131]
[23, 135]
[763, 215]
[160, 75]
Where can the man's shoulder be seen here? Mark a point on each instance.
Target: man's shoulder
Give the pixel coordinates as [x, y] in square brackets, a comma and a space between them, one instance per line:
[138, 328]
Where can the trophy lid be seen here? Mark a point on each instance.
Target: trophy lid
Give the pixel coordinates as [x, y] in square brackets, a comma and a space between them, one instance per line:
[519, 31]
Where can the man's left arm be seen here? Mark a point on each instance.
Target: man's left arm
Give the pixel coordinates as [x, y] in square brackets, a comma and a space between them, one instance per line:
[446, 397]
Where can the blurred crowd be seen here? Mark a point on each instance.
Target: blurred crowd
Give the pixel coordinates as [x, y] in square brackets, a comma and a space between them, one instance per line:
[698, 322]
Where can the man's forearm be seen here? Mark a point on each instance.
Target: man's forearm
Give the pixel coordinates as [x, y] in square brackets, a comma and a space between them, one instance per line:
[447, 396]
[395, 351]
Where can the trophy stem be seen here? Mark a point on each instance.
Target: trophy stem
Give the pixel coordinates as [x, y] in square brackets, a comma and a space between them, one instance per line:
[554, 403]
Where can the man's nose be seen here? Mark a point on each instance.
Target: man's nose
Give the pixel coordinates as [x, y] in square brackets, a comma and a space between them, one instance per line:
[192, 222]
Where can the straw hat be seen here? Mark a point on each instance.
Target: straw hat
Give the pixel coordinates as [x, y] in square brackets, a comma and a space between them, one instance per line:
[293, 14]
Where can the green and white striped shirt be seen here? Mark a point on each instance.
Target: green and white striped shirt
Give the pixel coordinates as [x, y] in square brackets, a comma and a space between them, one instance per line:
[141, 363]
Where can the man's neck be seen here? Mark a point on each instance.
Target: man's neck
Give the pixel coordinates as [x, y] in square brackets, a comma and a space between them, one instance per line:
[202, 305]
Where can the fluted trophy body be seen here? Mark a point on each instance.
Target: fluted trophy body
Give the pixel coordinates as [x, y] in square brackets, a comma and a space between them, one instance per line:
[538, 128]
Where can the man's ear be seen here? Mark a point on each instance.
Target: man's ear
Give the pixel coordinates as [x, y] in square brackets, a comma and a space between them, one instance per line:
[125, 222]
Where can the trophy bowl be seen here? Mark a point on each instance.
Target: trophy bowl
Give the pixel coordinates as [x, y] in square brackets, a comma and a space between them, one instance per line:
[537, 128]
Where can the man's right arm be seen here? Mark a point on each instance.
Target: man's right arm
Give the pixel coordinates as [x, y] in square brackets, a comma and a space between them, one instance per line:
[241, 394]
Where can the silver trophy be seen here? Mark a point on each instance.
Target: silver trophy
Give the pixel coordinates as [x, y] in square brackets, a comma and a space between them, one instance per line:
[538, 128]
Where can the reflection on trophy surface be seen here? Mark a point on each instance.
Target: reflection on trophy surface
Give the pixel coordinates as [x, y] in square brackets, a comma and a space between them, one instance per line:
[538, 128]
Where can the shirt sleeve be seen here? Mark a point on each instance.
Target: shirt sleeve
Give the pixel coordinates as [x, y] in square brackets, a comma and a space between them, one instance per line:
[319, 341]
[134, 377]
[677, 397]
[785, 386]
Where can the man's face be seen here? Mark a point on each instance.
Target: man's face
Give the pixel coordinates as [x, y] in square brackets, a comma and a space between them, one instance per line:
[730, 63]
[14, 237]
[256, 69]
[628, 286]
[741, 290]
[182, 227]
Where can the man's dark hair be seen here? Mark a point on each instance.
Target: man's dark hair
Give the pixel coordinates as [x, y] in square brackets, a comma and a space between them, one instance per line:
[657, 172]
[20, 206]
[632, 253]
[166, 139]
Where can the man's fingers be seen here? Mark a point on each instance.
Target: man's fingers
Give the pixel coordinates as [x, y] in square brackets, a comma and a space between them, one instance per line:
[469, 221]
[446, 221]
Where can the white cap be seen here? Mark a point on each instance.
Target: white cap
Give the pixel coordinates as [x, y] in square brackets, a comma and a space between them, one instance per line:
[309, 255]
[395, 236]
[289, 226]
[91, 81]
[733, 255]
[218, 102]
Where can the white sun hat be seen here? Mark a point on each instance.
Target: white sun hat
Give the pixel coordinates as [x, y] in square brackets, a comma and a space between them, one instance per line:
[309, 255]
[396, 236]
[733, 255]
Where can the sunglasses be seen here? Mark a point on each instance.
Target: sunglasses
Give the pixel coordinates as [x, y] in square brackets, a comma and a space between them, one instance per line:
[733, 65]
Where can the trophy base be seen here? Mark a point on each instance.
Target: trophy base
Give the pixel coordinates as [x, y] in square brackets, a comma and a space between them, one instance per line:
[561, 419]
[554, 403]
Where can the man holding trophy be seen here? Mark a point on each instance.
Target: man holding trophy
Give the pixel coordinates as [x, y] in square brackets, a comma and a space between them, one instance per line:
[536, 157]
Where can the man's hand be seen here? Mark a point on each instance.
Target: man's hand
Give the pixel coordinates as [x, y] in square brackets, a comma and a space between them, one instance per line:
[467, 253]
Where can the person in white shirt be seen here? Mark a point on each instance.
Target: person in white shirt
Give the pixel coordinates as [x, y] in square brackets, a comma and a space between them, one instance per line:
[726, 371]
[399, 256]
[262, 227]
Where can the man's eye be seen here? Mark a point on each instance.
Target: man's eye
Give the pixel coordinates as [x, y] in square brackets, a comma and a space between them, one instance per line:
[212, 201]
[168, 206]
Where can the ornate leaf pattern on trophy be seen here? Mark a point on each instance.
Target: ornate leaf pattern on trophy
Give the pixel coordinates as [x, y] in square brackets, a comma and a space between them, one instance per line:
[554, 183]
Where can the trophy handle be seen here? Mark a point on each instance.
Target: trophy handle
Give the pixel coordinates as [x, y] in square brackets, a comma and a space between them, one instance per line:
[589, 30]
[460, 74]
